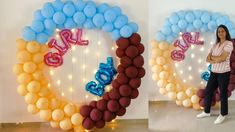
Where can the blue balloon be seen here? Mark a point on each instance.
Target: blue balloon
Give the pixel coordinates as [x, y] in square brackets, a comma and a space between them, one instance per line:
[126, 31]
[98, 20]
[167, 23]
[94, 88]
[212, 26]
[108, 27]
[198, 13]
[232, 33]
[59, 18]
[204, 28]
[190, 28]
[181, 14]
[110, 15]
[134, 27]
[103, 7]
[49, 32]
[175, 29]
[160, 36]
[189, 17]
[29, 34]
[50, 24]
[47, 10]
[69, 23]
[79, 4]
[205, 17]
[38, 15]
[166, 30]
[89, 24]
[37, 26]
[209, 67]
[117, 9]
[205, 76]
[42, 38]
[115, 34]
[103, 77]
[229, 25]
[182, 24]
[109, 66]
[79, 18]
[60, 26]
[170, 39]
[58, 5]
[120, 21]
[69, 9]
[174, 18]
[220, 21]
[216, 15]
[90, 2]
[90, 10]
[197, 23]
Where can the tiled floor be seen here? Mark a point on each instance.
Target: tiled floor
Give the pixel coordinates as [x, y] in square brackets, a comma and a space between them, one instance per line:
[167, 117]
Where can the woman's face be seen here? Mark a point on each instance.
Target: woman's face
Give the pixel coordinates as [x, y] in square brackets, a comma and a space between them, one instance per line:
[221, 33]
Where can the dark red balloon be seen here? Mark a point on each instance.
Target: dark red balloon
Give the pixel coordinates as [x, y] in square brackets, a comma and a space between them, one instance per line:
[201, 93]
[135, 38]
[135, 83]
[96, 115]
[88, 123]
[131, 72]
[229, 93]
[102, 105]
[141, 72]
[106, 96]
[132, 51]
[100, 124]
[122, 78]
[115, 84]
[122, 43]
[114, 94]
[93, 104]
[120, 53]
[125, 90]
[217, 97]
[121, 112]
[108, 116]
[113, 106]
[120, 69]
[134, 94]
[202, 103]
[85, 110]
[124, 101]
[141, 49]
[125, 61]
[138, 61]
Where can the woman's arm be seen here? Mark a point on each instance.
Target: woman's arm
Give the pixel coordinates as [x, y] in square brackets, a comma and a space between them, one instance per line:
[209, 59]
[220, 58]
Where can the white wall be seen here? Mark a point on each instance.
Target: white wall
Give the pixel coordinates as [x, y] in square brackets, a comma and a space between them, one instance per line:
[14, 15]
[159, 10]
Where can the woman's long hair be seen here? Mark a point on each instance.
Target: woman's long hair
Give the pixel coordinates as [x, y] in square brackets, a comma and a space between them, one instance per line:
[227, 33]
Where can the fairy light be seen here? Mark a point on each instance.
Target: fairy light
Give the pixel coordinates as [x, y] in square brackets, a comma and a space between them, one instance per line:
[211, 43]
[180, 38]
[62, 94]
[181, 33]
[71, 89]
[176, 65]
[57, 29]
[184, 81]
[84, 80]
[113, 121]
[189, 68]
[87, 96]
[73, 30]
[190, 77]
[48, 85]
[113, 48]
[58, 82]
[192, 46]
[174, 74]
[83, 66]
[73, 59]
[192, 55]
[181, 71]
[70, 77]
[202, 82]
[86, 51]
[202, 49]
[51, 72]
[73, 48]
[200, 70]
[201, 39]
[199, 60]
[94, 71]
[57, 36]
[99, 43]
[192, 33]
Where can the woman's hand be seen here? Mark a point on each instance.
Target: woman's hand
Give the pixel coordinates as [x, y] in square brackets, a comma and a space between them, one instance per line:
[217, 59]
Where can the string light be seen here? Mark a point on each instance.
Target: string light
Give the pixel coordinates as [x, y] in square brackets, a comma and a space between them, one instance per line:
[57, 29]
[71, 89]
[86, 51]
[181, 71]
[190, 77]
[57, 36]
[192, 46]
[113, 48]
[70, 77]
[73, 30]
[73, 48]
[189, 68]
[184, 81]
[48, 85]
[58, 82]
[62, 94]
[99, 43]
[199, 60]
[87, 96]
[73, 59]
[192, 55]
[51, 72]
[174, 74]
[202, 49]
[176, 65]
[94, 71]
[192, 33]
[83, 66]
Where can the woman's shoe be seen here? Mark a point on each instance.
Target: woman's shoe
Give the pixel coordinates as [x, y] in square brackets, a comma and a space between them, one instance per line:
[203, 114]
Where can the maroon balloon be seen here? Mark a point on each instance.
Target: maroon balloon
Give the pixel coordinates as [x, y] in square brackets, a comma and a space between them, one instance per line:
[93, 104]
[229, 93]
[201, 93]
[120, 53]
[122, 78]
[134, 94]
[120, 69]
[88, 123]
[138, 61]
[231, 87]
[233, 64]
[85, 110]
[113, 106]
[121, 112]
[125, 61]
[96, 115]
[217, 97]
[100, 124]
[124, 101]
[141, 72]
[125, 90]
[131, 72]
[115, 84]
[132, 51]
[135, 38]
[102, 105]
[202, 103]
[122, 43]
[114, 94]
[106, 96]
[108, 116]
[140, 47]
[135, 83]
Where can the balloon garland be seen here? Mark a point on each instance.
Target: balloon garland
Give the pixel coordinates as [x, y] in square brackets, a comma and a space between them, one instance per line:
[38, 50]
[180, 31]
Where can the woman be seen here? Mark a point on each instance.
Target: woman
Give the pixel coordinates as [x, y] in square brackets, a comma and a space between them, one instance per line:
[219, 57]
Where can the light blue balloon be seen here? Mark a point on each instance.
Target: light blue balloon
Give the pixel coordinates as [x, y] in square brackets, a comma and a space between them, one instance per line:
[160, 36]
[98, 20]
[190, 28]
[166, 30]
[38, 15]
[49, 32]
[197, 23]
[50, 24]
[115, 34]
[29, 34]
[59, 18]
[89, 10]
[174, 18]
[229, 25]
[205, 17]
[189, 17]
[232, 33]
[181, 14]
[182, 24]
[167, 23]
[69, 23]
[198, 13]
[103, 7]
[89, 24]
[117, 9]
[37, 26]
[110, 15]
[108, 27]
[204, 28]
[79, 18]
[42, 38]
[126, 31]
[58, 5]
[212, 26]
[216, 15]
[134, 27]
[69, 9]
[60, 26]
[120, 21]
[90, 2]
[175, 29]
[79, 4]
[47, 10]
[220, 21]
[170, 39]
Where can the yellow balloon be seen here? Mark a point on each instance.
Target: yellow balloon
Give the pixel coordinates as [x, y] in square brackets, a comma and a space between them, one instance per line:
[44, 48]
[31, 98]
[55, 103]
[179, 103]
[33, 47]
[196, 106]
[164, 75]
[32, 109]
[22, 90]
[41, 66]
[54, 124]
[195, 99]
[189, 92]
[163, 46]
[18, 68]
[154, 43]
[167, 54]
[33, 86]
[21, 44]
[66, 124]
[181, 96]
[152, 62]
[45, 115]
[44, 92]
[172, 95]
[157, 69]
[170, 87]
[79, 129]
[187, 103]
[38, 75]
[161, 60]
[76, 119]
[42, 103]
[29, 67]
[70, 109]
[155, 77]
[38, 58]
[167, 67]
[156, 52]
[58, 115]
[162, 83]
[24, 78]
[162, 91]
[23, 56]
